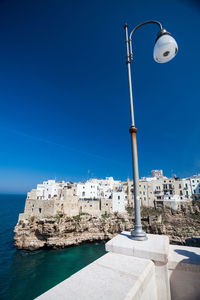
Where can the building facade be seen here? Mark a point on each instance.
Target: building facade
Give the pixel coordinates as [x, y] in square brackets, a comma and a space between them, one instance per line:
[106, 196]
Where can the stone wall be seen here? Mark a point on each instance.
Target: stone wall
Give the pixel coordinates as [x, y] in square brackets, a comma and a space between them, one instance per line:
[67, 203]
[40, 208]
[90, 207]
[106, 206]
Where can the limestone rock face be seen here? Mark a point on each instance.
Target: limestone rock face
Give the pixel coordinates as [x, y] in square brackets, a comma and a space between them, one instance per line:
[61, 231]
[182, 226]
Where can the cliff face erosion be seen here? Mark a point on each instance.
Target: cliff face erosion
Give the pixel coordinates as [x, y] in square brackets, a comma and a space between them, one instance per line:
[61, 231]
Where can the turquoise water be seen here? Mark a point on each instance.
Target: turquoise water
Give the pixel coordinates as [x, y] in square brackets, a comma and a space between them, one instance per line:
[26, 275]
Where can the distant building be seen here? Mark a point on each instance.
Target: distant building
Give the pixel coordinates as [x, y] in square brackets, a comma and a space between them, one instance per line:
[118, 202]
[153, 190]
[65, 201]
[105, 196]
[157, 173]
[50, 189]
[88, 190]
[174, 201]
[97, 188]
[195, 186]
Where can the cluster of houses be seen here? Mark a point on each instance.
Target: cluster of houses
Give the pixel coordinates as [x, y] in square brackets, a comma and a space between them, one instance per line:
[105, 196]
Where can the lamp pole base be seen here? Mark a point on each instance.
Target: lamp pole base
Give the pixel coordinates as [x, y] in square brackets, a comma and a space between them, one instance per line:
[138, 234]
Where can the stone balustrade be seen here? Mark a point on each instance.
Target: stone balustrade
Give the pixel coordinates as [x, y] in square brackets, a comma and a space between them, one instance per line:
[146, 270]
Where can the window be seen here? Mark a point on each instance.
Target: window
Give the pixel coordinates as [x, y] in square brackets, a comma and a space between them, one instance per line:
[144, 198]
[118, 197]
[40, 210]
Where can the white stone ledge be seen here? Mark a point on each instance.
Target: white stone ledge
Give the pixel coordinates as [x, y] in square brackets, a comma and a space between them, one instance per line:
[135, 270]
[184, 272]
[184, 258]
[111, 277]
[156, 247]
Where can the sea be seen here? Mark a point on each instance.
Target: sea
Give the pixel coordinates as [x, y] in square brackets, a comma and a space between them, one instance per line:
[25, 274]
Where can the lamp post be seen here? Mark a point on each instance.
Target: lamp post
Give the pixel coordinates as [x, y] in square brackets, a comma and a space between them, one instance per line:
[164, 50]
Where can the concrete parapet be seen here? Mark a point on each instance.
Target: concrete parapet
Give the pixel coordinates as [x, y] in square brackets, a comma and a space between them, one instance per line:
[111, 277]
[184, 272]
[155, 248]
[138, 270]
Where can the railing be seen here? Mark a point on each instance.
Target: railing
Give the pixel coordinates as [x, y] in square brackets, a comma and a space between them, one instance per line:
[136, 270]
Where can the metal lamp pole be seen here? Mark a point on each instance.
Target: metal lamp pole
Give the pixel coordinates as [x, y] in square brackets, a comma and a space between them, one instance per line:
[138, 233]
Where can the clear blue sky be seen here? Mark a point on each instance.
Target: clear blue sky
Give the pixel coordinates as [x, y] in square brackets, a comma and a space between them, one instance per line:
[64, 91]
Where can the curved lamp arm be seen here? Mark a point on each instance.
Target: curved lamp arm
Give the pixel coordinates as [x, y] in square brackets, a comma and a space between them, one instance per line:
[138, 26]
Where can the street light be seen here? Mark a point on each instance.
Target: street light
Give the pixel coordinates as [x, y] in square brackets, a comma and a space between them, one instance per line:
[165, 49]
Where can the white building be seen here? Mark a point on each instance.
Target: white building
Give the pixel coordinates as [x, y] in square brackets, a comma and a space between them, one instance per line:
[195, 184]
[97, 188]
[118, 202]
[50, 189]
[157, 174]
[174, 201]
[88, 190]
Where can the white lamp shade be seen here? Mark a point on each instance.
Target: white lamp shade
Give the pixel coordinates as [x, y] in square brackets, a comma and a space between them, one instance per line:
[165, 49]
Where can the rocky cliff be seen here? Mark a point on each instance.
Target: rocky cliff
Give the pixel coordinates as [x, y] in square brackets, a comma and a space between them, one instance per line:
[61, 231]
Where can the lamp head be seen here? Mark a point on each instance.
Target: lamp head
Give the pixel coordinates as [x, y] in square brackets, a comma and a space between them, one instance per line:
[165, 47]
